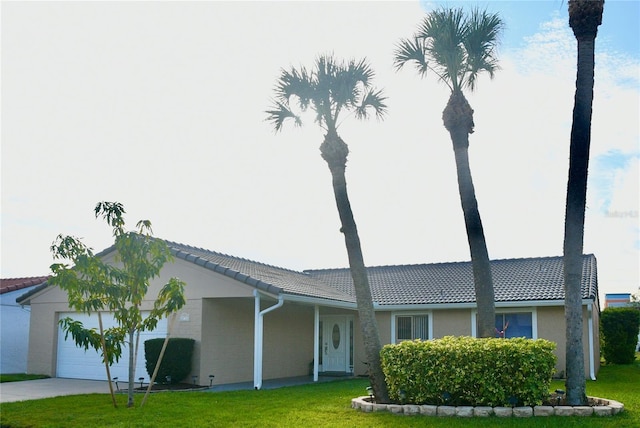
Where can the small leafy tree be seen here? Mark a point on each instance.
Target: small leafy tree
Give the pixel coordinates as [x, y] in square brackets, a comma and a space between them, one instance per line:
[94, 286]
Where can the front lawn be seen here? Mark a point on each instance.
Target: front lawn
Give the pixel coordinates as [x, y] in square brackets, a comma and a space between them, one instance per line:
[16, 377]
[318, 405]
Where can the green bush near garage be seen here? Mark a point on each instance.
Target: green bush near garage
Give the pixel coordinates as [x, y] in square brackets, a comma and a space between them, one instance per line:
[176, 362]
[469, 371]
[619, 328]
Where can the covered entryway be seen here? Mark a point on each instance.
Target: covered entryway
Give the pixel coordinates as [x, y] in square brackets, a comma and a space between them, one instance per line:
[76, 363]
[336, 344]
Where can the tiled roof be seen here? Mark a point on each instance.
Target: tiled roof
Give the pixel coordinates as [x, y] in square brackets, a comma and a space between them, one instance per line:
[515, 280]
[262, 276]
[530, 279]
[12, 284]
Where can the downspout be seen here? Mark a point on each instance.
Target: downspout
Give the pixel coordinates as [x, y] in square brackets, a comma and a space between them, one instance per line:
[316, 341]
[592, 372]
[258, 337]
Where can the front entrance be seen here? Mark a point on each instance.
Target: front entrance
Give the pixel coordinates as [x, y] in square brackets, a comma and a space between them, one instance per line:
[337, 343]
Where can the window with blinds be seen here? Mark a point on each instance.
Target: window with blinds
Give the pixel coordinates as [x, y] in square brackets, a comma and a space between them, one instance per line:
[410, 327]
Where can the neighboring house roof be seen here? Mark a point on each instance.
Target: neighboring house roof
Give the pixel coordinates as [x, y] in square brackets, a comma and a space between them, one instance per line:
[515, 280]
[529, 279]
[12, 284]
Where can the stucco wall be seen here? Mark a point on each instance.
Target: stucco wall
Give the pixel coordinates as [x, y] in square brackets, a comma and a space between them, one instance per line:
[227, 340]
[552, 326]
[288, 341]
[451, 322]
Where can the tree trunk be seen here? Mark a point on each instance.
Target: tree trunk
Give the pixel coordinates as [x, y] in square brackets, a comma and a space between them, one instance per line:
[106, 359]
[335, 151]
[458, 119]
[575, 209]
[132, 369]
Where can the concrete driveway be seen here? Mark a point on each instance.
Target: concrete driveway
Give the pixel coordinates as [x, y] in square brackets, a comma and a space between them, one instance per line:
[53, 387]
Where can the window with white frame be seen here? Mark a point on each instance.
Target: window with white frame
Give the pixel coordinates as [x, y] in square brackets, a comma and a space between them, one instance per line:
[410, 327]
[514, 324]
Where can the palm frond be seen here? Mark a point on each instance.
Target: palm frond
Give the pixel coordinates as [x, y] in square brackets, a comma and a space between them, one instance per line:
[455, 45]
[295, 83]
[328, 89]
[481, 38]
[361, 71]
[279, 114]
[411, 50]
[443, 30]
[372, 99]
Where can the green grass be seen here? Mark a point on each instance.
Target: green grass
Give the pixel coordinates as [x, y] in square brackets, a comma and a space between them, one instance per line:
[16, 377]
[317, 405]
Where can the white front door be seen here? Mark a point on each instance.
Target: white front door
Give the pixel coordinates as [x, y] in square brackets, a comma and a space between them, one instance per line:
[334, 344]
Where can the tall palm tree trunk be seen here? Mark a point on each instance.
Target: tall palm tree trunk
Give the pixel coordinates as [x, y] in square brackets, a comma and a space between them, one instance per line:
[577, 193]
[458, 119]
[334, 152]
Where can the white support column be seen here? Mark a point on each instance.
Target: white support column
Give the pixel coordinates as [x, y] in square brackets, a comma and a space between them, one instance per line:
[316, 341]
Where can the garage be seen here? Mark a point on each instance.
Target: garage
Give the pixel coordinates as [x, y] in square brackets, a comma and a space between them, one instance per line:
[74, 362]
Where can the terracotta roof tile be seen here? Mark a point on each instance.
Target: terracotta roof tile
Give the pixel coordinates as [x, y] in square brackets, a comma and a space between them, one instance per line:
[12, 284]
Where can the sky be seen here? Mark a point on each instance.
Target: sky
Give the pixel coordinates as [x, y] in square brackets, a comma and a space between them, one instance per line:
[161, 106]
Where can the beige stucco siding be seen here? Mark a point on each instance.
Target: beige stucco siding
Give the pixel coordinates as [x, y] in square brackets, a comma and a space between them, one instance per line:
[552, 326]
[451, 322]
[359, 355]
[47, 304]
[43, 337]
[288, 341]
[227, 340]
[201, 282]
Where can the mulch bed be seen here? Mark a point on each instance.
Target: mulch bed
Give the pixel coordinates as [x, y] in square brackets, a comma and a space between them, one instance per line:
[559, 400]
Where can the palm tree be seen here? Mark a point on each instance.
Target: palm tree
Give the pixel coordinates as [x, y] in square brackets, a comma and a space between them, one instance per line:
[457, 47]
[584, 18]
[328, 90]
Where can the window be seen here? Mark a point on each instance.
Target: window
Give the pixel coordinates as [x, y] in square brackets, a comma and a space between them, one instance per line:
[518, 324]
[410, 327]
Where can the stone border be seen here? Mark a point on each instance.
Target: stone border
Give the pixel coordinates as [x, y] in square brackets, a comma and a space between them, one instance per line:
[604, 407]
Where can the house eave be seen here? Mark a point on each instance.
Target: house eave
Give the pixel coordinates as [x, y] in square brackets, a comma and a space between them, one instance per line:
[25, 299]
[472, 305]
[296, 298]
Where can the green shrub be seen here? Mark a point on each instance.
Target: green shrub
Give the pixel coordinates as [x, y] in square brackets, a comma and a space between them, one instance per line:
[176, 361]
[619, 328]
[469, 371]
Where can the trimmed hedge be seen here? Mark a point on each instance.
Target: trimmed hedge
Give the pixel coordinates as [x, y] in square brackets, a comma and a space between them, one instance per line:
[469, 371]
[619, 328]
[176, 361]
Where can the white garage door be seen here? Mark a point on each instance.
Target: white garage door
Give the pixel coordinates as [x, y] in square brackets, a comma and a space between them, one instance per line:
[75, 362]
